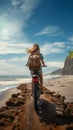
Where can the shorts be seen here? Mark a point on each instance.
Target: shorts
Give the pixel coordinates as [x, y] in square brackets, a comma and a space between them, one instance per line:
[39, 72]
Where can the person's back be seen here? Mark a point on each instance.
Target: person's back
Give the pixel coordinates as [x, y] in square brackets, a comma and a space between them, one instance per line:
[34, 61]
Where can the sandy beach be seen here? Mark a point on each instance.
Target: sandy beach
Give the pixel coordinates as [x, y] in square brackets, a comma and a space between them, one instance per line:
[55, 110]
[63, 86]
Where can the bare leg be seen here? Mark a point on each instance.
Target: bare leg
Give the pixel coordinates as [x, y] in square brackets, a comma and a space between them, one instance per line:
[32, 85]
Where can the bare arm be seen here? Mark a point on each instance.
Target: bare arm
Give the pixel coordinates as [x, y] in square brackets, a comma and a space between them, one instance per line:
[43, 63]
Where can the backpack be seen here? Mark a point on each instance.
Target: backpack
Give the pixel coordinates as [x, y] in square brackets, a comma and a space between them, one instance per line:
[34, 62]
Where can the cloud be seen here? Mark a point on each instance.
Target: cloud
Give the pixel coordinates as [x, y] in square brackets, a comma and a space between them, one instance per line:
[9, 31]
[18, 59]
[7, 48]
[56, 47]
[10, 68]
[17, 2]
[55, 64]
[26, 7]
[70, 43]
[13, 20]
[50, 30]
[71, 39]
[11, 28]
[52, 66]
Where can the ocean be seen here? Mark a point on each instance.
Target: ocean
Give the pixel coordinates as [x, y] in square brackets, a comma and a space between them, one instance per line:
[12, 81]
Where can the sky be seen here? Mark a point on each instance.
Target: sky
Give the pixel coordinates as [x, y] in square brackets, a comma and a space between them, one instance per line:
[26, 22]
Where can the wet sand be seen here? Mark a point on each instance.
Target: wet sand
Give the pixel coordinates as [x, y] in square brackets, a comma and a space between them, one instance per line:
[6, 95]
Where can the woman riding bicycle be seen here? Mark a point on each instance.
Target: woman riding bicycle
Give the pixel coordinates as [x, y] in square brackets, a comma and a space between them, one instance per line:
[32, 51]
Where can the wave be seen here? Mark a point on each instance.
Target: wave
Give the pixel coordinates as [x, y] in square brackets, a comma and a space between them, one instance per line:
[17, 81]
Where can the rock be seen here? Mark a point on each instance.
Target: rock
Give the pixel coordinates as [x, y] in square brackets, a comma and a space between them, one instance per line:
[68, 66]
[14, 103]
[69, 108]
[57, 72]
[22, 87]
[14, 95]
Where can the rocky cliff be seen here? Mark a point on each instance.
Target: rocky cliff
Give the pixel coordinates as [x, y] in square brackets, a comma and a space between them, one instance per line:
[68, 66]
[57, 72]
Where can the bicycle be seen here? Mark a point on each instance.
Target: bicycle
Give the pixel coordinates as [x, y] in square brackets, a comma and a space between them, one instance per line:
[36, 88]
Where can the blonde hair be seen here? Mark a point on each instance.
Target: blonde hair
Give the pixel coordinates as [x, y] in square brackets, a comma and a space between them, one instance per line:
[35, 48]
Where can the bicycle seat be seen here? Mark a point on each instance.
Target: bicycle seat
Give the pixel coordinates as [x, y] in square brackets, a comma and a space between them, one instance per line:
[35, 75]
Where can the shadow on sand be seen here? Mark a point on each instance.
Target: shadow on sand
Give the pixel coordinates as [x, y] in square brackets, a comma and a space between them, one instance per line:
[47, 113]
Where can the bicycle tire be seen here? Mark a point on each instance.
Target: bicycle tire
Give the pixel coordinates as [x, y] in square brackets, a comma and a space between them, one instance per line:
[35, 96]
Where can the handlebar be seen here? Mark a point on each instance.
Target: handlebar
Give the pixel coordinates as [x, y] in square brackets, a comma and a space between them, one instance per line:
[41, 65]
